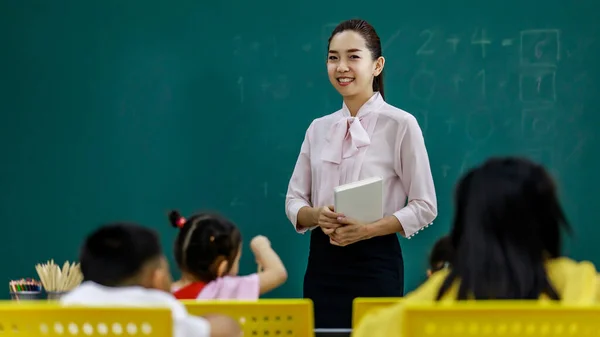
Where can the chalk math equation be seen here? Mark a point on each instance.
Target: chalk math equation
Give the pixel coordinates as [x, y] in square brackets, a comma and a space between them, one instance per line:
[538, 98]
[535, 56]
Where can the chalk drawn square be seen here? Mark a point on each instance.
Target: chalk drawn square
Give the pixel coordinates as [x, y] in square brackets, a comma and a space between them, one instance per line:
[538, 123]
[540, 47]
[537, 86]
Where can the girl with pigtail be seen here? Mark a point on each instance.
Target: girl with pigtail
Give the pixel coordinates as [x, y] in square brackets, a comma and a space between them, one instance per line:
[207, 250]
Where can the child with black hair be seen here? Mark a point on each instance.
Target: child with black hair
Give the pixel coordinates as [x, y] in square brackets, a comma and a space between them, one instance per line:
[123, 264]
[208, 249]
[441, 255]
[506, 238]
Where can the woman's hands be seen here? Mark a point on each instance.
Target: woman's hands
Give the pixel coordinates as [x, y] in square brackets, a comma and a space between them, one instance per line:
[351, 231]
[327, 219]
[342, 231]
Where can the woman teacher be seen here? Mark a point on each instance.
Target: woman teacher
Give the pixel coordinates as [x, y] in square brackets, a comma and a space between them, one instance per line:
[367, 137]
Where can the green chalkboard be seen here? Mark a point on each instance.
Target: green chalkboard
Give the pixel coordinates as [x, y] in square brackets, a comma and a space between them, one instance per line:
[120, 110]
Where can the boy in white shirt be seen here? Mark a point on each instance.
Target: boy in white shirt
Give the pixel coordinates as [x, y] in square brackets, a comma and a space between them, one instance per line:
[123, 264]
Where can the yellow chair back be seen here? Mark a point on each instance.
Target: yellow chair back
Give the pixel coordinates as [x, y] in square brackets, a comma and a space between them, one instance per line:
[488, 318]
[496, 318]
[49, 319]
[362, 305]
[265, 317]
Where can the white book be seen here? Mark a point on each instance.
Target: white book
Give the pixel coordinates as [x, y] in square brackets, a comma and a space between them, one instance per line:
[361, 200]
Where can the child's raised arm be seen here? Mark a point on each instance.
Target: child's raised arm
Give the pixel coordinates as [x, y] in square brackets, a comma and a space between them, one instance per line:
[274, 273]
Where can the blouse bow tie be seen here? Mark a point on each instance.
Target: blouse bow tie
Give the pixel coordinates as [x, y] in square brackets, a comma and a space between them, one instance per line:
[346, 137]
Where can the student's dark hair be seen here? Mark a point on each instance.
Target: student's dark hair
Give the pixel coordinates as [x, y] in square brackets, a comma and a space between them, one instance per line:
[367, 31]
[115, 253]
[441, 254]
[507, 223]
[203, 242]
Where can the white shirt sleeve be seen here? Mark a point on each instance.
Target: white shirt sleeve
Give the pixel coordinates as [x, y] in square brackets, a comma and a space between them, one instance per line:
[414, 171]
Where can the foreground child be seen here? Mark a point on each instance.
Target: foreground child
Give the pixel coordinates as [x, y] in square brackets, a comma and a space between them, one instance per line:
[506, 235]
[123, 264]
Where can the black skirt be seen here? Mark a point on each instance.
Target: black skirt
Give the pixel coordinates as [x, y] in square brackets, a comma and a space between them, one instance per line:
[335, 276]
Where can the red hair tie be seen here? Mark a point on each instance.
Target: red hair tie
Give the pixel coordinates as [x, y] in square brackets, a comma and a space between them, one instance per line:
[181, 222]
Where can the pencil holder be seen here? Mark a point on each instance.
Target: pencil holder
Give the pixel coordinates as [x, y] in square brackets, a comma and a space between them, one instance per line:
[55, 295]
[25, 295]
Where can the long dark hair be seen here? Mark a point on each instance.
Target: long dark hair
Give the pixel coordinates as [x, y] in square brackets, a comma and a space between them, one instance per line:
[373, 43]
[507, 223]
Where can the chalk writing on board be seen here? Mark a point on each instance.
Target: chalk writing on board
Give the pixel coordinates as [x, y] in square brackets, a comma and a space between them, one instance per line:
[391, 40]
[422, 85]
[453, 41]
[537, 122]
[537, 85]
[537, 53]
[480, 125]
[543, 126]
[540, 47]
[479, 37]
[481, 75]
[425, 48]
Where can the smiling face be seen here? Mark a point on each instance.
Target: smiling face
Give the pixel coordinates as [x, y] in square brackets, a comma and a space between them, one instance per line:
[350, 65]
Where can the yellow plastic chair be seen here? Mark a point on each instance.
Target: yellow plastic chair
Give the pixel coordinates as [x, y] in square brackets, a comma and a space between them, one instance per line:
[265, 317]
[39, 319]
[496, 318]
[362, 305]
[499, 318]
